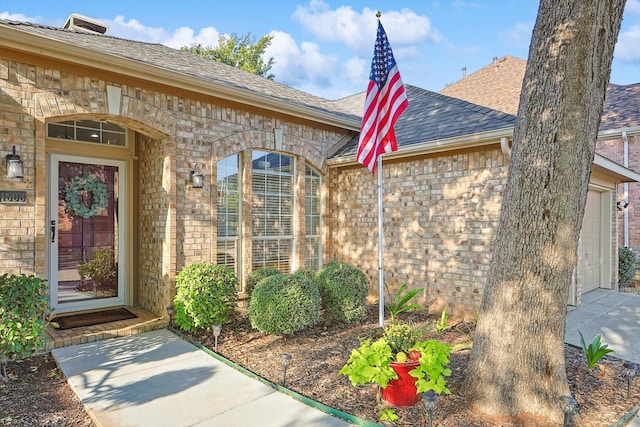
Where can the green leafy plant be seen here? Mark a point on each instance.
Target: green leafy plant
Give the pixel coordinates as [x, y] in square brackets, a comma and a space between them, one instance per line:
[101, 269]
[205, 296]
[389, 414]
[370, 363]
[626, 266]
[343, 289]
[24, 310]
[594, 351]
[256, 277]
[284, 304]
[399, 302]
[442, 324]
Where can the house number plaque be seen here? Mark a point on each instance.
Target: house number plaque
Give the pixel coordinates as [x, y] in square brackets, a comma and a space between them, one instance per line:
[15, 197]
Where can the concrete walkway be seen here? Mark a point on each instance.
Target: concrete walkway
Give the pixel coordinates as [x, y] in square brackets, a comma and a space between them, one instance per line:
[157, 379]
[614, 315]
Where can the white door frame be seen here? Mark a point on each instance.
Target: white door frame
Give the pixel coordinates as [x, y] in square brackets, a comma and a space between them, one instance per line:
[52, 234]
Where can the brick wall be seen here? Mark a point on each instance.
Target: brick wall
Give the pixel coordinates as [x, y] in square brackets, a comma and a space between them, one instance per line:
[439, 218]
[613, 149]
[175, 222]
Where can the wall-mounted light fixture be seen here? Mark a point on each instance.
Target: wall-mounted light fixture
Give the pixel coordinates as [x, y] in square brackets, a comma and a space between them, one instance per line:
[14, 165]
[197, 179]
[622, 204]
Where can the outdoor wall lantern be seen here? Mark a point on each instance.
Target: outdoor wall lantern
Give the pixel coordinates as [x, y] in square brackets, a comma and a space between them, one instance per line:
[622, 204]
[197, 179]
[14, 165]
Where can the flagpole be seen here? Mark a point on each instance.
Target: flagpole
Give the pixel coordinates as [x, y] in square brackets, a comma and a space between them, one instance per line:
[380, 247]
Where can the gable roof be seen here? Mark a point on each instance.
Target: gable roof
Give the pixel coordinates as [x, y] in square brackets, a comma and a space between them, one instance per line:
[498, 86]
[432, 117]
[161, 64]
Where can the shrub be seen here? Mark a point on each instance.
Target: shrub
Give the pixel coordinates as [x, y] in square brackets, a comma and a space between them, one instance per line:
[257, 275]
[24, 307]
[626, 266]
[205, 296]
[101, 269]
[343, 289]
[284, 304]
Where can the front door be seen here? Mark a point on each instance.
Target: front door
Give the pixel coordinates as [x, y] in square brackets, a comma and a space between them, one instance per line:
[86, 214]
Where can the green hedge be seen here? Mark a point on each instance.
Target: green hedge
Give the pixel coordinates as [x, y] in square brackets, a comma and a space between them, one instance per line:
[626, 266]
[24, 308]
[343, 289]
[284, 304]
[205, 296]
[257, 275]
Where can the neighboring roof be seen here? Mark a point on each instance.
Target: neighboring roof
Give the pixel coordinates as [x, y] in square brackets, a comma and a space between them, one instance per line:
[432, 117]
[621, 107]
[496, 86]
[161, 64]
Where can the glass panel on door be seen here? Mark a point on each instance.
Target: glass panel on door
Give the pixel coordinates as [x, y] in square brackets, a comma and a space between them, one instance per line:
[87, 232]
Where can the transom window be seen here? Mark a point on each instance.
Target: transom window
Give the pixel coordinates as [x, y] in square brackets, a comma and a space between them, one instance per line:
[97, 132]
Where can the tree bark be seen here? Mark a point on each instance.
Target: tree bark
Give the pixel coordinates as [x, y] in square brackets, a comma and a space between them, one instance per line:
[517, 364]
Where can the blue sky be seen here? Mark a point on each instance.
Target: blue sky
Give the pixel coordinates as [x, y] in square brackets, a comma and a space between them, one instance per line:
[324, 47]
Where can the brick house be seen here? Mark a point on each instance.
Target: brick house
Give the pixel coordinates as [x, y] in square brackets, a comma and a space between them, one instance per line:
[149, 159]
[498, 86]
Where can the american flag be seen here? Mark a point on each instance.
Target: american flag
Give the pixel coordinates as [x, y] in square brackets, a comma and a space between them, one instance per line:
[386, 100]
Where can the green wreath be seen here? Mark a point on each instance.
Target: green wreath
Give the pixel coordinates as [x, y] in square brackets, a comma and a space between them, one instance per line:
[89, 184]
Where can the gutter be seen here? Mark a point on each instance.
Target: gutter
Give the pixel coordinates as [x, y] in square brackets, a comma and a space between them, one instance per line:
[441, 145]
[625, 210]
[39, 45]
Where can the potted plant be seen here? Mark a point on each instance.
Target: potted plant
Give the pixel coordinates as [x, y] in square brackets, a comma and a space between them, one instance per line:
[401, 365]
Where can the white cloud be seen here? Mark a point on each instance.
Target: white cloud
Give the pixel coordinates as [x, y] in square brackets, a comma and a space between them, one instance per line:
[182, 36]
[633, 7]
[357, 30]
[519, 35]
[628, 45]
[296, 64]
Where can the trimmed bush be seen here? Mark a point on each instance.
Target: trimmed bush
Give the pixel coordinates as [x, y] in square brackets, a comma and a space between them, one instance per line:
[284, 304]
[205, 296]
[257, 275]
[626, 266]
[24, 307]
[343, 289]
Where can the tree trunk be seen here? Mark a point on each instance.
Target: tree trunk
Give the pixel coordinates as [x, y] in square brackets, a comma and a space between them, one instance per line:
[517, 364]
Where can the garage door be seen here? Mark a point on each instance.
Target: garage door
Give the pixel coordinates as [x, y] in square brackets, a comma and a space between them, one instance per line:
[590, 243]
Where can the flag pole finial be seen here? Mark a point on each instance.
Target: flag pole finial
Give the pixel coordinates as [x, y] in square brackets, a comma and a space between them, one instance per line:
[378, 15]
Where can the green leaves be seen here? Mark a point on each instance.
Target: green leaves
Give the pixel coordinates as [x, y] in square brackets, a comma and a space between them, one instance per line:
[205, 296]
[594, 351]
[399, 303]
[370, 364]
[432, 372]
[24, 307]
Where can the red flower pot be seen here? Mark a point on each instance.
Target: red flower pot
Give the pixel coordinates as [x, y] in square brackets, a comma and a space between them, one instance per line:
[401, 392]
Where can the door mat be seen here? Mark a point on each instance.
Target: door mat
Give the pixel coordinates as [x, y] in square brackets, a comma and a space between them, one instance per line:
[90, 319]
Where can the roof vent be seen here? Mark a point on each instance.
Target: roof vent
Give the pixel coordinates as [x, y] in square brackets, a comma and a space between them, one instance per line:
[84, 24]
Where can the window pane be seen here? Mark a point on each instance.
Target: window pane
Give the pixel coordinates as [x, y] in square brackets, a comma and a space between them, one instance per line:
[272, 210]
[312, 218]
[228, 206]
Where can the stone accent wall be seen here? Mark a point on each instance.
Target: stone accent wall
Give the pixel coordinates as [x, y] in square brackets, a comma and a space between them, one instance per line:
[439, 219]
